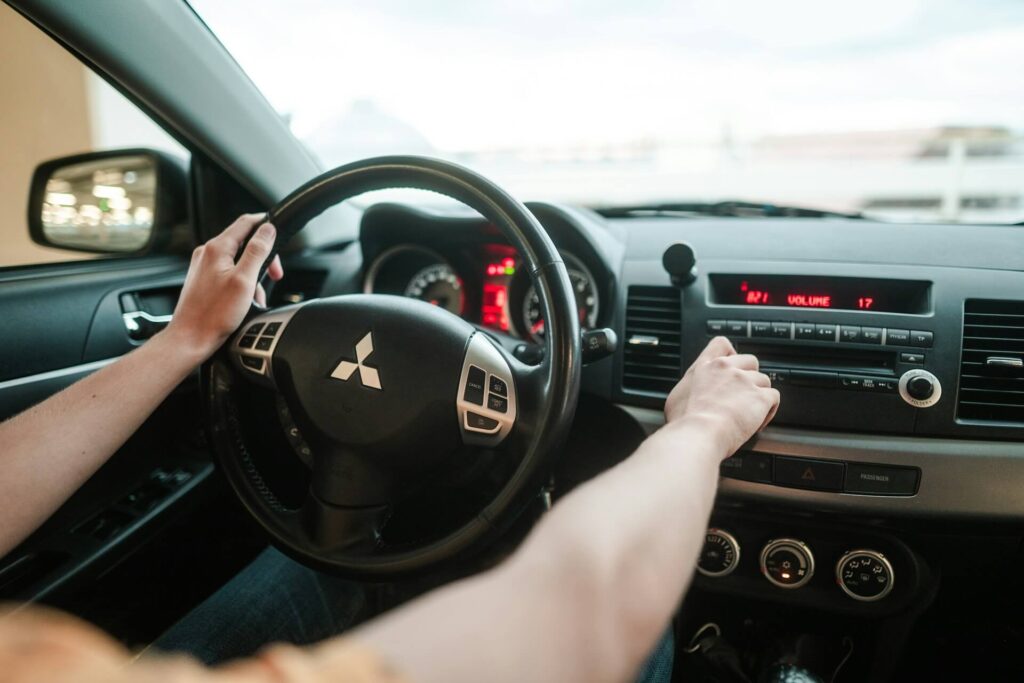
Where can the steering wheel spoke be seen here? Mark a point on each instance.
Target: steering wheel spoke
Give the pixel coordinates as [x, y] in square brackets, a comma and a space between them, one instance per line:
[253, 346]
[339, 528]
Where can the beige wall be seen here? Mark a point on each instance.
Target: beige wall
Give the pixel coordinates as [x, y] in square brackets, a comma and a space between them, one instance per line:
[44, 113]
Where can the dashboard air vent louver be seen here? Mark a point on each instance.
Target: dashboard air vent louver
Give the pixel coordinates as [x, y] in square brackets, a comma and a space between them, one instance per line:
[652, 340]
[992, 364]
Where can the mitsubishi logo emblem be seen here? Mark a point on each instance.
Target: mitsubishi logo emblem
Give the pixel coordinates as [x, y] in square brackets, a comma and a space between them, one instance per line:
[367, 375]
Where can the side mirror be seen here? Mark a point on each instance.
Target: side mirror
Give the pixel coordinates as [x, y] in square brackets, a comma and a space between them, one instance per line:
[113, 202]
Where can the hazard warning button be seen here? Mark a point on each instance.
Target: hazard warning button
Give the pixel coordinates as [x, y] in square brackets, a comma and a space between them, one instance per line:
[824, 475]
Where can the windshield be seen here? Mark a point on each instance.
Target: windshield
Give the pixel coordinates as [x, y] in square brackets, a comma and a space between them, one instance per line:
[903, 110]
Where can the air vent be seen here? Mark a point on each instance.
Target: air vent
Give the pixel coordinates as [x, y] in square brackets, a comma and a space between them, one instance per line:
[297, 286]
[653, 328]
[992, 365]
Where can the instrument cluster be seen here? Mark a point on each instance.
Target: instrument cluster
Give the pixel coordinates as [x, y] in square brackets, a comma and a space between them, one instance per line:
[485, 284]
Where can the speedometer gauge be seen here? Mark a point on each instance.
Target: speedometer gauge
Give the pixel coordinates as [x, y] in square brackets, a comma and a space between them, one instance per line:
[585, 289]
[437, 284]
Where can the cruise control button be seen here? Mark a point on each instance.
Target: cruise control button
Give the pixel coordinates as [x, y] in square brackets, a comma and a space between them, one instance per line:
[716, 327]
[272, 329]
[871, 335]
[823, 475]
[480, 422]
[497, 386]
[881, 480]
[805, 331]
[849, 333]
[497, 403]
[254, 328]
[247, 341]
[897, 337]
[252, 363]
[825, 332]
[921, 338]
[265, 343]
[475, 385]
[782, 330]
[760, 328]
[736, 328]
[748, 467]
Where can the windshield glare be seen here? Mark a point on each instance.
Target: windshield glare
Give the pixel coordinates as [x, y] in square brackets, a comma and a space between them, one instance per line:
[903, 110]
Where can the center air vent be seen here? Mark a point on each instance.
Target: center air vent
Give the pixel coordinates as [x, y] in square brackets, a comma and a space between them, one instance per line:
[992, 365]
[652, 349]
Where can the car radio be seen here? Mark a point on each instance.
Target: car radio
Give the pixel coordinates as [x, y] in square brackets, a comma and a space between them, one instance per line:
[859, 371]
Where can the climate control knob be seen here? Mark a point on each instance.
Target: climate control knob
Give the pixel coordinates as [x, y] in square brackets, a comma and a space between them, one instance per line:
[787, 563]
[920, 388]
[865, 575]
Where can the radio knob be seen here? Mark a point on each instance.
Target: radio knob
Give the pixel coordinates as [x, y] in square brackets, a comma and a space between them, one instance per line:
[920, 388]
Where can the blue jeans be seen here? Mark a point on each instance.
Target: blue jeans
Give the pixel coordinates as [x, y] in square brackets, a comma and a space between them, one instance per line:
[275, 599]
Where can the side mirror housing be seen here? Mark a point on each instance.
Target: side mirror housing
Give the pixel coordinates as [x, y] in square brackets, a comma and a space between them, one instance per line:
[120, 202]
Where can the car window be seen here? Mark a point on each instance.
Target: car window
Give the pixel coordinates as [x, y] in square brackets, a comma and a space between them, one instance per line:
[54, 106]
[901, 110]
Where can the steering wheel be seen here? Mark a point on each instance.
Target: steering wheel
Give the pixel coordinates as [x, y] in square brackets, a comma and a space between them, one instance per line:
[385, 389]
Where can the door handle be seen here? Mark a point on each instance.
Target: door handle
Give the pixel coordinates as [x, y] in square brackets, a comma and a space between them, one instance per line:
[141, 325]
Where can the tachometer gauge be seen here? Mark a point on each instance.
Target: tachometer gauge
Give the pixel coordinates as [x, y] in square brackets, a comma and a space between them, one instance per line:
[437, 284]
[583, 287]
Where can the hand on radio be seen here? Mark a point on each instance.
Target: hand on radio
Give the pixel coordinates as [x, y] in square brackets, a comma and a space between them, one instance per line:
[724, 392]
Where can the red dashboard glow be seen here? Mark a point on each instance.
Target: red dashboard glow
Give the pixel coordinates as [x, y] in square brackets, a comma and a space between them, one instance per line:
[493, 309]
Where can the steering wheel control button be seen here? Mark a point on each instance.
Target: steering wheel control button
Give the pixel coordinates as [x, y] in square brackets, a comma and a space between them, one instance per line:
[497, 387]
[475, 386]
[253, 363]
[787, 563]
[748, 466]
[272, 329]
[254, 328]
[720, 554]
[880, 480]
[921, 338]
[487, 394]
[865, 575]
[480, 423]
[804, 473]
[920, 388]
[247, 342]
[871, 335]
[264, 343]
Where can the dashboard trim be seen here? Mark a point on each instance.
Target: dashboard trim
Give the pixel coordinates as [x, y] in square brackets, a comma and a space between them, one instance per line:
[959, 477]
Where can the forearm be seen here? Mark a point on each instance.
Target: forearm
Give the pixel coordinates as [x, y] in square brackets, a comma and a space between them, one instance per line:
[52, 448]
[588, 593]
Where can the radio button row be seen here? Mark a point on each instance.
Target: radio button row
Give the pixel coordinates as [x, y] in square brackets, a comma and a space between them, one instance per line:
[883, 385]
[825, 332]
[782, 330]
[716, 327]
[921, 338]
[805, 331]
[897, 337]
[871, 335]
[849, 333]
[760, 328]
[737, 328]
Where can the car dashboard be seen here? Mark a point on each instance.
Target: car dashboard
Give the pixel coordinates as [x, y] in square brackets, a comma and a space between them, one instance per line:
[897, 350]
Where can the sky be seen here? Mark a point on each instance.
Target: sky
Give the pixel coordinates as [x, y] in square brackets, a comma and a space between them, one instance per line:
[519, 73]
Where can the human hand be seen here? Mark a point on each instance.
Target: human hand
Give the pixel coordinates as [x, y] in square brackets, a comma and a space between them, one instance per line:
[217, 290]
[725, 393]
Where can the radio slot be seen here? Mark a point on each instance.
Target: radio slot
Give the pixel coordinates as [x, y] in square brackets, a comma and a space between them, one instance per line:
[822, 358]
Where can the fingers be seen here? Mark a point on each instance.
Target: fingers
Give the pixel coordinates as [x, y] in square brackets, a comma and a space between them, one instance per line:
[260, 296]
[234, 235]
[743, 361]
[716, 348]
[774, 399]
[256, 252]
[275, 270]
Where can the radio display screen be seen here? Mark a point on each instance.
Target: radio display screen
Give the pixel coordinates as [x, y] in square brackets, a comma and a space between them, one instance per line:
[809, 291]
